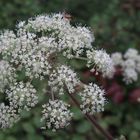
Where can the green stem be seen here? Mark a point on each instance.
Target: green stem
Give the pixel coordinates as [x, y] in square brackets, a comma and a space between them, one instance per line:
[81, 58]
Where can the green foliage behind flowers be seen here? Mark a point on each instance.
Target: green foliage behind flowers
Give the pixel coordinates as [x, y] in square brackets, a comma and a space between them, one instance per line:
[116, 24]
[12, 10]
[117, 27]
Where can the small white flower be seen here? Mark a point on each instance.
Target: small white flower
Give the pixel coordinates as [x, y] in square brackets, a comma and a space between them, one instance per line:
[21, 24]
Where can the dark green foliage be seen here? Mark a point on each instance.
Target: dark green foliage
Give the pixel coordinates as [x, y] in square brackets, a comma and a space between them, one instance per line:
[117, 28]
[116, 24]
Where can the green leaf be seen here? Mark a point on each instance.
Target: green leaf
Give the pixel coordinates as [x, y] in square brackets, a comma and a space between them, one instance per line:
[83, 127]
[77, 113]
[10, 138]
[78, 137]
[28, 128]
[137, 125]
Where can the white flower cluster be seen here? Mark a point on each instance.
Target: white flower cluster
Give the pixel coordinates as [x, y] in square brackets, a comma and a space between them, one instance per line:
[22, 96]
[63, 77]
[7, 42]
[8, 116]
[31, 55]
[7, 74]
[19, 97]
[93, 99]
[129, 63]
[36, 50]
[40, 37]
[56, 114]
[101, 62]
[69, 38]
[117, 58]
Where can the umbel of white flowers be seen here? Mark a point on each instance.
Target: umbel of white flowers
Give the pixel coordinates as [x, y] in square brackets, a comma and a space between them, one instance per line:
[36, 47]
[129, 64]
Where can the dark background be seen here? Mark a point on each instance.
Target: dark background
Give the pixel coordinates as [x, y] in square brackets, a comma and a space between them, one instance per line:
[116, 26]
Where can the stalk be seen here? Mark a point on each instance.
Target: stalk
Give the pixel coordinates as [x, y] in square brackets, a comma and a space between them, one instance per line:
[92, 120]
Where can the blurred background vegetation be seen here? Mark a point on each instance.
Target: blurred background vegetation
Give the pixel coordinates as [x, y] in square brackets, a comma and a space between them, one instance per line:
[116, 26]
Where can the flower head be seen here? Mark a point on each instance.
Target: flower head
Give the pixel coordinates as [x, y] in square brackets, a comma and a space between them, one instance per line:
[35, 52]
[92, 98]
[22, 96]
[63, 77]
[7, 42]
[130, 75]
[101, 62]
[7, 74]
[117, 58]
[56, 115]
[129, 64]
[71, 40]
[131, 53]
[8, 116]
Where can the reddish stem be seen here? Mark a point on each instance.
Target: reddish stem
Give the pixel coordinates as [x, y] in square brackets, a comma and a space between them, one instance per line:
[92, 120]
